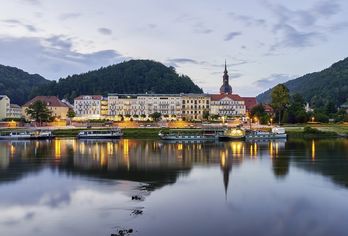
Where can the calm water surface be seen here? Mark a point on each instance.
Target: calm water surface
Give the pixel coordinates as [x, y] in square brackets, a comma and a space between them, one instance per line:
[71, 187]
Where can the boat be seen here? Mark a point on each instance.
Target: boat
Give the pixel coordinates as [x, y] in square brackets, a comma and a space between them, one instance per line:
[100, 134]
[233, 134]
[190, 134]
[16, 135]
[27, 134]
[276, 133]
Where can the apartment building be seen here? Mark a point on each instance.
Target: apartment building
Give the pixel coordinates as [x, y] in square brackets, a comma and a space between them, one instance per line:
[194, 106]
[58, 108]
[90, 107]
[4, 106]
[227, 105]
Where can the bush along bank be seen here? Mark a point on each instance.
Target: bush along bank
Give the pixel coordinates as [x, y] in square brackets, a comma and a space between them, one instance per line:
[309, 132]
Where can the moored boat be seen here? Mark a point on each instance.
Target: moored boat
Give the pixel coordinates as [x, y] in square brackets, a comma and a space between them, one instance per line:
[276, 133]
[100, 134]
[27, 134]
[194, 135]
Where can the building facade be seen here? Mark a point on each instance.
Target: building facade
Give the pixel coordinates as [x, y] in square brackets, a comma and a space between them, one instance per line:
[15, 111]
[227, 105]
[90, 107]
[57, 107]
[4, 106]
[194, 106]
[142, 105]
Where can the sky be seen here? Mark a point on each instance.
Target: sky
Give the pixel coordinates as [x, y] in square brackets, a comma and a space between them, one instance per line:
[265, 42]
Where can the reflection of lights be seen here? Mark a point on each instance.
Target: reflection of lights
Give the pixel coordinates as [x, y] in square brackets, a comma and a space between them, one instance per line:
[223, 159]
[271, 149]
[180, 147]
[236, 147]
[110, 148]
[255, 149]
[12, 150]
[313, 150]
[57, 148]
[276, 148]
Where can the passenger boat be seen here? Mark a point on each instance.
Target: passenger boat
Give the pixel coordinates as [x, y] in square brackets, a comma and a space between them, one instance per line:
[233, 134]
[27, 134]
[187, 134]
[276, 133]
[100, 134]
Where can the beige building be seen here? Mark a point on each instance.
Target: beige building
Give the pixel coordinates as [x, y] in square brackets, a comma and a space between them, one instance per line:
[4, 106]
[194, 106]
[57, 107]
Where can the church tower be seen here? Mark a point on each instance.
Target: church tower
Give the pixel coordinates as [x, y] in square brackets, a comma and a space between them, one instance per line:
[226, 87]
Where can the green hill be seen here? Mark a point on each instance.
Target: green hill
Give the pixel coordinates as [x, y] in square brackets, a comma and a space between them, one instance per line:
[319, 88]
[135, 76]
[19, 85]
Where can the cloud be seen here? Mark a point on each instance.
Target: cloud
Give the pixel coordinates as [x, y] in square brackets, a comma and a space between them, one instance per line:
[105, 31]
[32, 2]
[301, 28]
[293, 38]
[68, 16]
[232, 35]
[200, 28]
[248, 20]
[14, 22]
[52, 57]
[176, 61]
[273, 80]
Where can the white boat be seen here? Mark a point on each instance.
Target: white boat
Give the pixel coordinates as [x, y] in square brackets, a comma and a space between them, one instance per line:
[16, 135]
[27, 134]
[100, 134]
[190, 135]
[276, 133]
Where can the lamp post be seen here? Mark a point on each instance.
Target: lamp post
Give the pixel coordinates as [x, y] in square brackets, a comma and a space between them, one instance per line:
[271, 120]
[312, 119]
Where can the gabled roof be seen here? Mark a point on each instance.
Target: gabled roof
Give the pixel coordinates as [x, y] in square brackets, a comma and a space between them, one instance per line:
[250, 102]
[51, 101]
[94, 97]
[218, 97]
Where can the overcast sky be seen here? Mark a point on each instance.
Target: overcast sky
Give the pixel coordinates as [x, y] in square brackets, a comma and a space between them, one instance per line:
[264, 41]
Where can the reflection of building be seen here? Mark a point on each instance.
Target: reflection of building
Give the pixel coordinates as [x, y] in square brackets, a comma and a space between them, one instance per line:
[58, 108]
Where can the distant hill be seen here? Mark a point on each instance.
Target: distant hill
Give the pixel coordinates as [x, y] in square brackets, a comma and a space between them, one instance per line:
[134, 76]
[18, 84]
[319, 88]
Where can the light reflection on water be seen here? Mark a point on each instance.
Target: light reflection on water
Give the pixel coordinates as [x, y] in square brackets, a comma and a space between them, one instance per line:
[72, 187]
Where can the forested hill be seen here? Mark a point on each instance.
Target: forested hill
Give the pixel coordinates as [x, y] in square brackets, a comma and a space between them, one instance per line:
[19, 85]
[319, 88]
[134, 76]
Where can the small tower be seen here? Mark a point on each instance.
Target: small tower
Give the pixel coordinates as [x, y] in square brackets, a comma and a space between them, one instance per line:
[226, 87]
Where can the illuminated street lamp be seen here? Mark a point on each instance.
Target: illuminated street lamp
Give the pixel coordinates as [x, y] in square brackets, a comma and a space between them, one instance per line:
[271, 120]
[312, 118]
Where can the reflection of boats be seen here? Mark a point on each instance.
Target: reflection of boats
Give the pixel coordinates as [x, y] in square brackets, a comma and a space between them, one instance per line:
[276, 133]
[187, 134]
[100, 134]
[233, 134]
[26, 134]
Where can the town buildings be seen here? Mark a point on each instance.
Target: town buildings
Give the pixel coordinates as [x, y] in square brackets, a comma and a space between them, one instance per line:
[58, 108]
[171, 106]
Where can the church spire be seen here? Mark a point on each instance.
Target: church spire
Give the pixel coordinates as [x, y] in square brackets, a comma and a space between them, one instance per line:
[225, 67]
[225, 88]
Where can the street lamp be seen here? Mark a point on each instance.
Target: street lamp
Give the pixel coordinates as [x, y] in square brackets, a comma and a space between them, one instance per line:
[271, 120]
[312, 118]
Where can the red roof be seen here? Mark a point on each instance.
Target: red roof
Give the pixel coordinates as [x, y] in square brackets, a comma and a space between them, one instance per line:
[94, 97]
[217, 97]
[51, 101]
[250, 102]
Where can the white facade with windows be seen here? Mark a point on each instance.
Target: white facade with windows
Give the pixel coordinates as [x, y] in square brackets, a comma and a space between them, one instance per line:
[89, 107]
[169, 105]
[227, 105]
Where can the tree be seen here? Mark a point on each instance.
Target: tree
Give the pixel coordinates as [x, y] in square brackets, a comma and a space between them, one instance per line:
[280, 99]
[71, 113]
[155, 116]
[259, 112]
[205, 114]
[296, 112]
[39, 112]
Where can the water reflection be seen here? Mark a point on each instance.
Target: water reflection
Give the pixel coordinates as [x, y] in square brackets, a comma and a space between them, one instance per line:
[91, 181]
